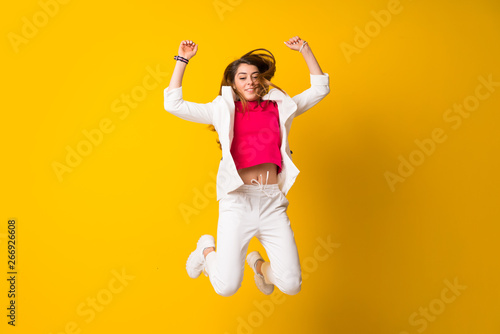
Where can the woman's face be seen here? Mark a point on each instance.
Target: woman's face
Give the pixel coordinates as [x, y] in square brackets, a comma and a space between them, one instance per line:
[245, 81]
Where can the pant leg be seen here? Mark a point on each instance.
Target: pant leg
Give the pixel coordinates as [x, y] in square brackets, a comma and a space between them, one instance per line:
[277, 237]
[236, 227]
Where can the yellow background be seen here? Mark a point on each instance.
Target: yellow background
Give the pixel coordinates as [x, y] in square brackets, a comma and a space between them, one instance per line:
[119, 208]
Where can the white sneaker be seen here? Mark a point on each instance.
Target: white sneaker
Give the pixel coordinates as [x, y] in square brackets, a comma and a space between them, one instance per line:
[266, 288]
[196, 261]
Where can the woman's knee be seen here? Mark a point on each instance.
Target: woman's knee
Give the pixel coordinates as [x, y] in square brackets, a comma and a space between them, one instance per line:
[227, 290]
[291, 285]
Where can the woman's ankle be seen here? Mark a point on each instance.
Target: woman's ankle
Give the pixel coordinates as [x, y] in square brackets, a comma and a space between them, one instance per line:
[258, 266]
[208, 250]
[265, 268]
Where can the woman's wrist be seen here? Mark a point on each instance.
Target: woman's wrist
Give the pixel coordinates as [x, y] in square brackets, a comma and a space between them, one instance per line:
[305, 47]
[184, 56]
[181, 59]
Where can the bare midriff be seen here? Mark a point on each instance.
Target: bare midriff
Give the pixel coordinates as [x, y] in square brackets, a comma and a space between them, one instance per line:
[259, 173]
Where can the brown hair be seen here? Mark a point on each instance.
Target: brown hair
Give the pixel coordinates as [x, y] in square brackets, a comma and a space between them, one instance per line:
[265, 63]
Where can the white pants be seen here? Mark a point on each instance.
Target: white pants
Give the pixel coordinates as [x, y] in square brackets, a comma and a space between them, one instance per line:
[244, 213]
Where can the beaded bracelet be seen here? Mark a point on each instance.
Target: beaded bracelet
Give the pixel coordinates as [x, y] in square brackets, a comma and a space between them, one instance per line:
[184, 60]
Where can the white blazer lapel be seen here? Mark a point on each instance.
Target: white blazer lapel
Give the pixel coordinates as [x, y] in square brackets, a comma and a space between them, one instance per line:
[288, 107]
[227, 118]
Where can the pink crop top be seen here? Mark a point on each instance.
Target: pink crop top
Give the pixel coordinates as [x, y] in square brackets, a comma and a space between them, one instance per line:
[256, 134]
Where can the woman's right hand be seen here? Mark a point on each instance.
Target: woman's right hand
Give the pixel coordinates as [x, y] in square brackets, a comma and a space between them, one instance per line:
[188, 49]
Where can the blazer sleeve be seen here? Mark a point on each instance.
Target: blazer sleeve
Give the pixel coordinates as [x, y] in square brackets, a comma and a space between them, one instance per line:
[320, 87]
[189, 111]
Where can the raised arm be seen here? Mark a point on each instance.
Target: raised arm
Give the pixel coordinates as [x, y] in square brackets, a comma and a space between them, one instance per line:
[173, 100]
[320, 82]
[187, 50]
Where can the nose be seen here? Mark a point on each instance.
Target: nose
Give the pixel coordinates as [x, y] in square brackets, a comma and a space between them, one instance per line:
[251, 82]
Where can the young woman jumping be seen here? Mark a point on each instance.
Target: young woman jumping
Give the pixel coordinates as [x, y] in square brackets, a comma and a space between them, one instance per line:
[252, 121]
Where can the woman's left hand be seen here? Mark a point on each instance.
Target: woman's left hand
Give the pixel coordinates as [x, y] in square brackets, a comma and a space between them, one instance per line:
[295, 43]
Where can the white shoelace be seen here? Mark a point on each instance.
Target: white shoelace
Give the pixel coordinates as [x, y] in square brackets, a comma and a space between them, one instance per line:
[262, 186]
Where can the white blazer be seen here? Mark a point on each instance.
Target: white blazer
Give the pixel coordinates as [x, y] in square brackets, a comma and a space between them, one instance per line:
[220, 113]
